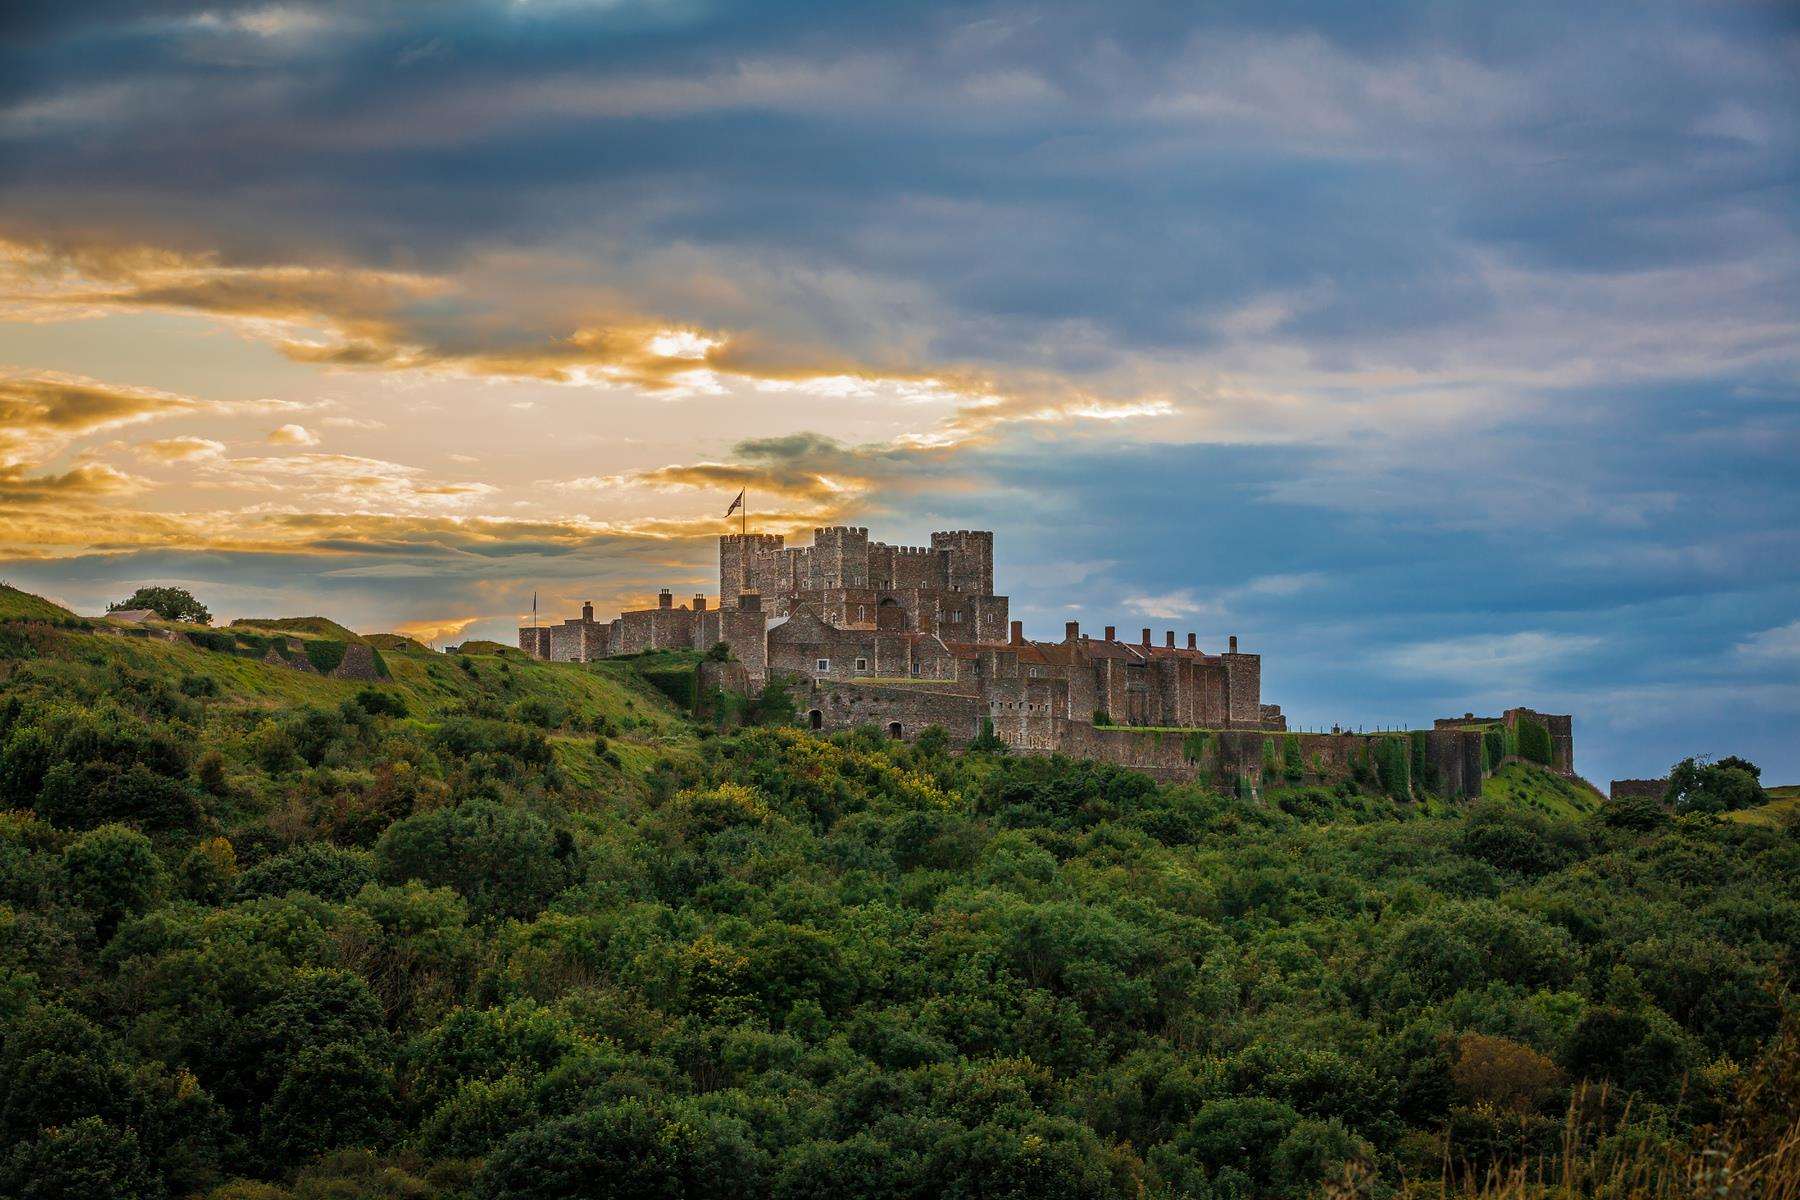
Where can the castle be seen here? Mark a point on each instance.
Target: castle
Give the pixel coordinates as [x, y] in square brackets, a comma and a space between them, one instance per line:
[905, 637]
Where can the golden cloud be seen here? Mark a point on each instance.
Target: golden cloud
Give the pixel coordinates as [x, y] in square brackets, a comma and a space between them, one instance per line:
[42, 413]
[179, 450]
[359, 318]
[83, 482]
[429, 630]
[292, 435]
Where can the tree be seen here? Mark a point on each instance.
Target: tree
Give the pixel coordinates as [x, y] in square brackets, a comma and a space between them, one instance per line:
[328, 872]
[113, 872]
[629, 1151]
[1697, 786]
[84, 1160]
[331, 1097]
[208, 872]
[774, 705]
[169, 603]
[987, 741]
[506, 861]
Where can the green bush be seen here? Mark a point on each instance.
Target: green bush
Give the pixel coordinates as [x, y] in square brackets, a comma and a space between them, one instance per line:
[681, 684]
[323, 655]
[1534, 741]
[1393, 765]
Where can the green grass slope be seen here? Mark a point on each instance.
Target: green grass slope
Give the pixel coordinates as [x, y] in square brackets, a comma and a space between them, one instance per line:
[566, 699]
[16, 605]
[1783, 807]
[389, 643]
[1540, 791]
[305, 626]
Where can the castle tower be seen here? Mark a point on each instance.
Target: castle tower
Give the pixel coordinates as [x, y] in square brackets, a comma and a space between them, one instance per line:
[751, 562]
[965, 560]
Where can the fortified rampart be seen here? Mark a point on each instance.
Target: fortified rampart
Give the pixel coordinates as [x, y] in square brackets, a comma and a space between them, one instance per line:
[906, 637]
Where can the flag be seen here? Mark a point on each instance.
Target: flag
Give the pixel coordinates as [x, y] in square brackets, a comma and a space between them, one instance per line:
[736, 504]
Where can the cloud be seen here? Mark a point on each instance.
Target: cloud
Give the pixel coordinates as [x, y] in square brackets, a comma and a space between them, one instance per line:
[1495, 660]
[179, 449]
[1778, 645]
[431, 630]
[85, 482]
[1175, 605]
[41, 413]
[292, 435]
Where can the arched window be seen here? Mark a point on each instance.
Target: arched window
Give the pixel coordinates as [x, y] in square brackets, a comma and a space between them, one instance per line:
[894, 730]
[816, 719]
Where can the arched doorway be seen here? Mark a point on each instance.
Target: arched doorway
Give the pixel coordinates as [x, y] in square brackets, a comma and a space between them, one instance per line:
[816, 719]
[894, 730]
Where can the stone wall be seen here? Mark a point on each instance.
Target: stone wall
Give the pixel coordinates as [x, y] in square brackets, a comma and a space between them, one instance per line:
[831, 706]
[359, 662]
[1639, 789]
[1562, 735]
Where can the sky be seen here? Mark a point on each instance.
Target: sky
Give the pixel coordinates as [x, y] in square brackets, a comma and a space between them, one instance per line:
[1448, 355]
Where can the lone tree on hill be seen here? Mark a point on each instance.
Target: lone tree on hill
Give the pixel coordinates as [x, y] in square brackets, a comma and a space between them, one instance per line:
[169, 603]
[1732, 783]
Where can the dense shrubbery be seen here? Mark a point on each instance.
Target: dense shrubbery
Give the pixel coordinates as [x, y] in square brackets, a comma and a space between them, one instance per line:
[345, 952]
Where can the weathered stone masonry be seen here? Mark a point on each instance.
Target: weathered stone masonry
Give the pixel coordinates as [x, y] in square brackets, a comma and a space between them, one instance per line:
[904, 637]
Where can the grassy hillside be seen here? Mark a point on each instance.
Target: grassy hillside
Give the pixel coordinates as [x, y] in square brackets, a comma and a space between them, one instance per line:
[484, 646]
[306, 626]
[1537, 790]
[1782, 809]
[387, 642]
[16, 605]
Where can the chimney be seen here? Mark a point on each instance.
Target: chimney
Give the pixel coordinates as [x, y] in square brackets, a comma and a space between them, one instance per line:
[1234, 643]
[1112, 635]
[665, 599]
[699, 603]
[1146, 636]
[749, 601]
[1193, 642]
[587, 611]
[1169, 638]
[1018, 632]
[1071, 631]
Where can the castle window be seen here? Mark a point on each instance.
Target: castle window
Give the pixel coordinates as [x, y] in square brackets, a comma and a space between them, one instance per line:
[824, 665]
[862, 664]
[956, 618]
[1032, 672]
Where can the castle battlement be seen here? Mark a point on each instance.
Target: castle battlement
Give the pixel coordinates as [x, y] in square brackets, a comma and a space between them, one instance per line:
[905, 637]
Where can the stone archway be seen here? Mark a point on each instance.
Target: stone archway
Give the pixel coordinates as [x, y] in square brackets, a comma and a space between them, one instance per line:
[816, 719]
[894, 730]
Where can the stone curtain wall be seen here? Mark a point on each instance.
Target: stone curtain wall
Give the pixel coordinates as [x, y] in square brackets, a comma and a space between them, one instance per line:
[913, 707]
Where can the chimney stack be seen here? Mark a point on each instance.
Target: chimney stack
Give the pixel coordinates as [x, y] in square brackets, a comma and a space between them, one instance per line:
[1072, 631]
[665, 599]
[1018, 632]
[1169, 638]
[1234, 643]
[1111, 634]
[699, 602]
[587, 611]
[1193, 642]
[1146, 635]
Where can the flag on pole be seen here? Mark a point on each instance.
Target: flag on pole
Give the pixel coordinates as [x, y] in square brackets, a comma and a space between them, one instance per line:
[736, 504]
